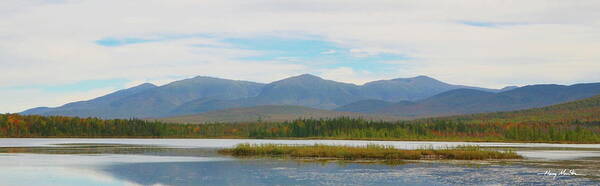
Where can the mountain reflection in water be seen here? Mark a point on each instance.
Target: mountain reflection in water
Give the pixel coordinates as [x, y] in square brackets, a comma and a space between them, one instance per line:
[195, 162]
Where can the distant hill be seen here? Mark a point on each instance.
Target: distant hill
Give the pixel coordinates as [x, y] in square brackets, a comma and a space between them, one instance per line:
[269, 113]
[468, 101]
[367, 106]
[454, 102]
[579, 111]
[203, 94]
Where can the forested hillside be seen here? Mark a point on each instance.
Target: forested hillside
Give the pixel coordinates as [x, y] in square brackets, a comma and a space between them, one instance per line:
[580, 111]
[574, 122]
[471, 101]
[269, 113]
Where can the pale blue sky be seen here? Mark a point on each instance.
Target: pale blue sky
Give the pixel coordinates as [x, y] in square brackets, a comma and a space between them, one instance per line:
[308, 50]
[83, 51]
[79, 86]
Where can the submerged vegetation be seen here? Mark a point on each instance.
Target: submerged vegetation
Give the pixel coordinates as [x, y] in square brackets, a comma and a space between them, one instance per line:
[369, 152]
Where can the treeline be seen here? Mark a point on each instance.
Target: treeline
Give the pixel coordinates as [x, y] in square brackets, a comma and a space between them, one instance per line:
[584, 111]
[432, 129]
[455, 129]
[14, 125]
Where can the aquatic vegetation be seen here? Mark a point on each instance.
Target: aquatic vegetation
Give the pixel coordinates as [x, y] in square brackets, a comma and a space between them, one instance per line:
[377, 152]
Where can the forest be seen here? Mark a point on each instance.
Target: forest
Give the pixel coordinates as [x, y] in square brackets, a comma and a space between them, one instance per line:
[573, 122]
[14, 125]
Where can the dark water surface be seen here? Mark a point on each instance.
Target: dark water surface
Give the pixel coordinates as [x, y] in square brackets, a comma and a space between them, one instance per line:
[194, 162]
[294, 173]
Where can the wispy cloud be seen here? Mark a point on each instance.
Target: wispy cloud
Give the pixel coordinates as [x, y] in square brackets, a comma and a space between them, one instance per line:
[112, 42]
[490, 24]
[479, 24]
[316, 52]
[329, 52]
[493, 43]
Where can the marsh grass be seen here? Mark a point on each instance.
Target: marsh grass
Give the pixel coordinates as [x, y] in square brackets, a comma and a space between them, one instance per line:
[368, 152]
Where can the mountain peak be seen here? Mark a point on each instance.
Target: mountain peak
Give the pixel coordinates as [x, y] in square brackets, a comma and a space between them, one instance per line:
[195, 80]
[420, 78]
[306, 76]
[302, 78]
[204, 77]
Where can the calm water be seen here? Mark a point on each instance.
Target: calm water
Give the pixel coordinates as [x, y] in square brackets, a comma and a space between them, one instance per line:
[194, 162]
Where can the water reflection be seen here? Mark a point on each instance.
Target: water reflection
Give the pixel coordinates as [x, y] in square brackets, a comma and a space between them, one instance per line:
[194, 162]
[279, 172]
[59, 176]
[262, 172]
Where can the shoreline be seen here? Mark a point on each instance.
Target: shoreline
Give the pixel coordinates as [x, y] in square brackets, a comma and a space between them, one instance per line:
[308, 138]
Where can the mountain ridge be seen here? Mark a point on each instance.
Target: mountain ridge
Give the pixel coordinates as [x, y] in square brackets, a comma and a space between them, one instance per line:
[203, 94]
[470, 101]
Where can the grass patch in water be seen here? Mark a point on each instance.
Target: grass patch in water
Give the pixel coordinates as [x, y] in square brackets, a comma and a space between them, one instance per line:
[377, 152]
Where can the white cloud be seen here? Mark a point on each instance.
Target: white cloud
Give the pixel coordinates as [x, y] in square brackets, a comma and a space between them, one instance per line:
[53, 43]
[329, 52]
[349, 75]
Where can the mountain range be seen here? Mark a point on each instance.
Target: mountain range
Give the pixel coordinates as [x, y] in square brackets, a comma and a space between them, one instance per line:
[468, 101]
[419, 96]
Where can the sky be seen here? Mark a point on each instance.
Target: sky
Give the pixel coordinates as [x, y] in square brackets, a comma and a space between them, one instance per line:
[57, 51]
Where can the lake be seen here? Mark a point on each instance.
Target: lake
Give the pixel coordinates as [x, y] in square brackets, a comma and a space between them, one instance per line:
[195, 162]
